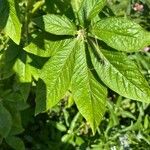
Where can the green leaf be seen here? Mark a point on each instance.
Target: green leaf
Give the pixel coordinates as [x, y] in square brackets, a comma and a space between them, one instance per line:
[146, 122]
[5, 121]
[45, 45]
[4, 13]
[121, 74]
[42, 47]
[55, 24]
[22, 68]
[16, 127]
[89, 95]
[24, 73]
[13, 25]
[76, 5]
[93, 7]
[121, 34]
[14, 99]
[55, 77]
[15, 142]
[89, 9]
[7, 61]
[17, 123]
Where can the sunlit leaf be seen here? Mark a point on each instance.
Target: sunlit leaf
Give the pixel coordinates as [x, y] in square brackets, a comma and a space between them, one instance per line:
[121, 34]
[89, 95]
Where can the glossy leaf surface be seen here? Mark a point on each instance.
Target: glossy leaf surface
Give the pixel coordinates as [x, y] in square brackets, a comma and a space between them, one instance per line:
[93, 7]
[88, 93]
[45, 45]
[121, 75]
[121, 34]
[55, 77]
[13, 25]
[55, 24]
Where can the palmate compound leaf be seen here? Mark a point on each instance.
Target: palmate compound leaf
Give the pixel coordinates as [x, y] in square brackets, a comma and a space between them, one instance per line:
[13, 25]
[56, 24]
[89, 95]
[121, 34]
[120, 74]
[56, 76]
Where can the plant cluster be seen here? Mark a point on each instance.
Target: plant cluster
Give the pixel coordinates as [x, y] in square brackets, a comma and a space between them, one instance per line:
[78, 52]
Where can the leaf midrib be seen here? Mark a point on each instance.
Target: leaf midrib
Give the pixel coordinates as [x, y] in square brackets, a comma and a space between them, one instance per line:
[89, 90]
[100, 53]
[117, 33]
[60, 72]
[67, 27]
[125, 77]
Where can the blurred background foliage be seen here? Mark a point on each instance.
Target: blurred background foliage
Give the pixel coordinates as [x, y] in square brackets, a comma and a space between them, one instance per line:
[126, 124]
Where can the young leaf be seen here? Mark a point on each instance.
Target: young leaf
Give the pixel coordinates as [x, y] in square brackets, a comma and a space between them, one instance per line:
[5, 121]
[55, 24]
[13, 25]
[15, 142]
[88, 93]
[121, 34]
[56, 74]
[121, 75]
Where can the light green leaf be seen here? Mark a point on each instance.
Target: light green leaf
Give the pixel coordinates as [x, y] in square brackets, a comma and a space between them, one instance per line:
[121, 75]
[55, 24]
[93, 7]
[22, 68]
[24, 73]
[15, 142]
[5, 121]
[121, 34]
[76, 5]
[45, 45]
[55, 77]
[89, 9]
[13, 25]
[146, 122]
[89, 95]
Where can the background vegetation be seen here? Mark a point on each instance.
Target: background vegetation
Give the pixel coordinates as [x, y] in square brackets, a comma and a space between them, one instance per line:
[126, 124]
